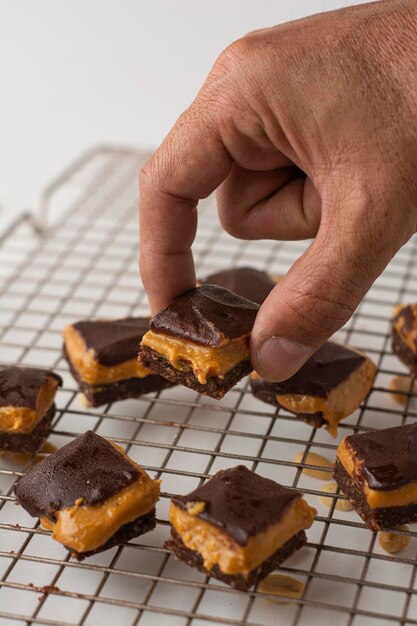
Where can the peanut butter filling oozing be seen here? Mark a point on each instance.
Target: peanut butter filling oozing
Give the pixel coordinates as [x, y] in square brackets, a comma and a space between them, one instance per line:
[218, 548]
[16, 419]
[90, 370]
[205, 361]
[341, 401]
[377, 499]
[407, 337]
[87, 527]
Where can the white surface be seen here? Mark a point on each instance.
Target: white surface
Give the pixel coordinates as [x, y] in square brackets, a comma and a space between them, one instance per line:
[76, 73]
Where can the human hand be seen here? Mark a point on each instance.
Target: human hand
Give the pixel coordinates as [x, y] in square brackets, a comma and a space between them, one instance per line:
[308, 129]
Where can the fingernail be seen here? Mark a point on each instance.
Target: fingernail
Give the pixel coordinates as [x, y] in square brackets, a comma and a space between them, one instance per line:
[280, 358]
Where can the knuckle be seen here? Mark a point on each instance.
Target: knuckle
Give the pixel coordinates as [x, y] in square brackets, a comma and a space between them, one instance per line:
[234, 225]
[241, 56]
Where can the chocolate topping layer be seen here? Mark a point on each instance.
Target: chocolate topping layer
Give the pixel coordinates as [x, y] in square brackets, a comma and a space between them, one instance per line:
[113, 341]
[206, 315]
[244, 281]
[88, 467]
[327, 368]
[19, 386]
[387, 459]
[240, 502]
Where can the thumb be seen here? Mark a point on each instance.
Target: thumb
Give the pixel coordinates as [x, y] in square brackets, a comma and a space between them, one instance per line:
[315, 298]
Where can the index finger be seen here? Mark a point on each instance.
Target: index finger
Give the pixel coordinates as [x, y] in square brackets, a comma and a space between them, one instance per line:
[188, 166]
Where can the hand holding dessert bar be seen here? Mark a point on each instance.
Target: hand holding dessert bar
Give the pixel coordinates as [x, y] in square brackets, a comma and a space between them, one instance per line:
[289, 163]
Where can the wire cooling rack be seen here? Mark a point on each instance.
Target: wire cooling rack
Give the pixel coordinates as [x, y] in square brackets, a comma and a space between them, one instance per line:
[86, 266]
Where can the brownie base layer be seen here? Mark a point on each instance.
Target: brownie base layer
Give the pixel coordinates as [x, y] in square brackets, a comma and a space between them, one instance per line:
[403, 352]
[313, 419]
[97, 395]
[237, 581]
[139, 526]
[375, 519]
[28, 442]
[215, 387]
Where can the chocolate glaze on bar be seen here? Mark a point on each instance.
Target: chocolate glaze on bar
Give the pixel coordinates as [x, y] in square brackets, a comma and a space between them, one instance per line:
[240, 502]
[88, 467]
[206, 315]
[387, 459]
[247, 282]
[328, 367]
[113, 341]
[19, 386]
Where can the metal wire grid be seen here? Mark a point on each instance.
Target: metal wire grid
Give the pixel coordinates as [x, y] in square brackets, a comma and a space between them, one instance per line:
[86, 266]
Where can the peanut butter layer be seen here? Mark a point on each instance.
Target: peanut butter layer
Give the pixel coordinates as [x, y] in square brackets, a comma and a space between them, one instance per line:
[341, 401]
[218, 548]
[84, 528]
[405, 324]
[360, 468]
[205, 361]
[84, 360]
[23, 419]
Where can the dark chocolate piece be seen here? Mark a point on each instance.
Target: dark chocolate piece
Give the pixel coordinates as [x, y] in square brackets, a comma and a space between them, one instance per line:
[215, 387]
[139, 526]
[237, 581]
[19, 386]
[97, 395]
[247, 282]
[28, 442]
[328, 367]
[113, 341]
[378, 518]
[88, 467]
[206, 315]
[240, 502]
[386, 459]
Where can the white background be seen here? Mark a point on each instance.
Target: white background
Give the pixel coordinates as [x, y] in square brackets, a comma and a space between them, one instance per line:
[74, 73]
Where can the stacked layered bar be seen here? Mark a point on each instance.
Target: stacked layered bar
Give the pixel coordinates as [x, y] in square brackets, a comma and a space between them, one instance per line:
[201, 340]
[238, 526]
[26, 407]
[329, 387]
[102, 356]
[90, 495]
[377, 471]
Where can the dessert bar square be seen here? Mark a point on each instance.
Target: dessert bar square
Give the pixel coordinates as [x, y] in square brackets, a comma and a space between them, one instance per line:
[201, 340]
[238, 526]
[102, 356]
[90, 495]
[26, 407]
[404, 336]
[247, 282]
[329, 387]
[377, 471]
